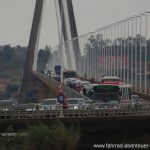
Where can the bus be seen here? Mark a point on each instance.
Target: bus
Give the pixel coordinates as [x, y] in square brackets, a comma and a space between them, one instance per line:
[124, 88]
[69, 74]
[111, 80]
[105, 95]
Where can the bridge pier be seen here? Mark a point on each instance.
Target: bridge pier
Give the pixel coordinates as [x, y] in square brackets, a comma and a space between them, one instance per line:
[37, 91]
[43, 90]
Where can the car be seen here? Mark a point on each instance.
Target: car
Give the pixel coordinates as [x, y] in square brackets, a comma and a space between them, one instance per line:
[136, 101]
[126, 104]
[29, 106]
[89, 87]
[85, 83]
[99, 104]
[8, 104]
[76, 103]
[69, 80]
[113, 104]
[50, 104]
[135, 98]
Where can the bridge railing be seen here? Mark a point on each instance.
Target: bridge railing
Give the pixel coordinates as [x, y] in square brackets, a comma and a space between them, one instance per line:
[16, 114]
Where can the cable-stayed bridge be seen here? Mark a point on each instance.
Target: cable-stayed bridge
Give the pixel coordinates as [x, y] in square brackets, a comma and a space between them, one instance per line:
[121, 49]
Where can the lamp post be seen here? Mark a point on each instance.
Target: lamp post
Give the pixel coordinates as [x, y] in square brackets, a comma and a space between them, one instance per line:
[104, 51]
[106, 54]
[132, 52]
[145, 82]
[121, 48]
[114, 50]
[111, 52]
[136, 51]
[124, 52]
[128, 19]
[100, 55]
[140, 53]
[121, 52]
[117, 50]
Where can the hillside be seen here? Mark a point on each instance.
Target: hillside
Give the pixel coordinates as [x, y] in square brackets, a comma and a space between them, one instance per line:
[12, 61]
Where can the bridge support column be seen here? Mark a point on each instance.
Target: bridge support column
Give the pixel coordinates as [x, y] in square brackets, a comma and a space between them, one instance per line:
[26, 82]
[38, 91]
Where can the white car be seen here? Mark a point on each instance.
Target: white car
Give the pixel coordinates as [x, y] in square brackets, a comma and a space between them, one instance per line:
[49, 104]
[136, 101]
[85, 83]
[76, 103]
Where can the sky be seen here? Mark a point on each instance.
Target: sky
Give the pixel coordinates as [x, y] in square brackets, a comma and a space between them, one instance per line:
[16, 18]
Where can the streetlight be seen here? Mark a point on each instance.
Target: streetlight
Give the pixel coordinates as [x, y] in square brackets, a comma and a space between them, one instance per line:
[136, 51]
[111, 51]
[140, 53]
[145, 84]
[124, 51]
[119, 63]
[117, 49]
[130, 51]
[145, 51]
[131, 18]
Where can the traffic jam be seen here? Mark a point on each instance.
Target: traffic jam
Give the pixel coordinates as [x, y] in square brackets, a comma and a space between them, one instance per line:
[109, 93]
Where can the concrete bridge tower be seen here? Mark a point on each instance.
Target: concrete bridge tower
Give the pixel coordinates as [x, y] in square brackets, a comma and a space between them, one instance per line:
[30, 85]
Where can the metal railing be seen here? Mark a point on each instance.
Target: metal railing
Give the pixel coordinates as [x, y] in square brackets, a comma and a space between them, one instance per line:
[70, 112]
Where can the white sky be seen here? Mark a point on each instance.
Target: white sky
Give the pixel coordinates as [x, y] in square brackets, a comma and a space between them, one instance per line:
[16, 18]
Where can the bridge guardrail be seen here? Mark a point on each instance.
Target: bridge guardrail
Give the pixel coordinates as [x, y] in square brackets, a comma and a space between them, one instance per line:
[75, 113]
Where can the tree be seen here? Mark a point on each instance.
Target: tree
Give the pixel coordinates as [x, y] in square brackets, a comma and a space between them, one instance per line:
[43, 56]
[8, 52]
[53, 137]
[39, 137]
[12, 88]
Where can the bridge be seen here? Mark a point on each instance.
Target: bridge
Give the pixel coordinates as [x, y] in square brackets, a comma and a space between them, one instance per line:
[90, 120]
[121, 49]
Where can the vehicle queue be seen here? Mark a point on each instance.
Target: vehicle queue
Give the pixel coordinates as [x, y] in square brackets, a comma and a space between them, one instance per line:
[109, 93]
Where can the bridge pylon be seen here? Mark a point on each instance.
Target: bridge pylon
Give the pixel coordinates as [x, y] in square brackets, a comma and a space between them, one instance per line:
[26, 86]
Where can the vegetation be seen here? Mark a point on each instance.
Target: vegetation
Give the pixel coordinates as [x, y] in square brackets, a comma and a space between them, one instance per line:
[12, 61]
[12, 88]
[43, 137]
[43, 56]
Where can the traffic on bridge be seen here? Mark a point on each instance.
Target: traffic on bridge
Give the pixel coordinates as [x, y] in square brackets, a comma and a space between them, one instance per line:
[100, 80]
